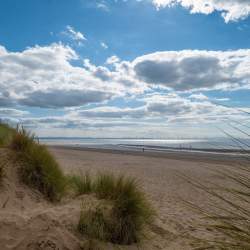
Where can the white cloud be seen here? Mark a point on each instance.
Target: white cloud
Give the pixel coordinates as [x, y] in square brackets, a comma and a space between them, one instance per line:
[194, 69]
[74, 35]
[199, 96]
[112, 60]
[102, 5]
[44, 77]
[112, 112]
[159, 114]
[231, 10]
[164, 107]
[222, 99]
[10, 112]
[104, 45]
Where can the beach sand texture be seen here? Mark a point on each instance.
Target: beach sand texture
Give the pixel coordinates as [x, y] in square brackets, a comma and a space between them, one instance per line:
[27, 221]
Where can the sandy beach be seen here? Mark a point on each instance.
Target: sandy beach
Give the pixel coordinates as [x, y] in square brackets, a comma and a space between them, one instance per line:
[164, 179]
[28, 221]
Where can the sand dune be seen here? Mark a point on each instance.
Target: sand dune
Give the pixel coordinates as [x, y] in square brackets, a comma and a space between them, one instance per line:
[28, 221]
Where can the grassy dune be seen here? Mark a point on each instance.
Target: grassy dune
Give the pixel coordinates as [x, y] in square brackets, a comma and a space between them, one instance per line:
[123, 213]
[128, 211]
[6, 133]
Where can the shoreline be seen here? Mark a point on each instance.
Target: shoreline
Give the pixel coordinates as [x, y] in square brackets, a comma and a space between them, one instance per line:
[175, 154]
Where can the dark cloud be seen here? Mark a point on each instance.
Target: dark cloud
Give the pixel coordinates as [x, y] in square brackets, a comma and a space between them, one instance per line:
[54, 98]
[157, 72]
[171, 108]
[188, 72]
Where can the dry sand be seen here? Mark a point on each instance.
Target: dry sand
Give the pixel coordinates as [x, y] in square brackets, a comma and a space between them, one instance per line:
[162, 178]
[27, 221]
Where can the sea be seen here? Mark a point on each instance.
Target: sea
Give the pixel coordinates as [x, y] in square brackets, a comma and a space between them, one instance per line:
[214, 144]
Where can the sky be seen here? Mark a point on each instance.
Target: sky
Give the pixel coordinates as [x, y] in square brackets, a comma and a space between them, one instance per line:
[125, 68]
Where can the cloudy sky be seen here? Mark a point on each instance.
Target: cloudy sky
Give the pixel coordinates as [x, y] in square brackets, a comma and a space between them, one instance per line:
[125, 68]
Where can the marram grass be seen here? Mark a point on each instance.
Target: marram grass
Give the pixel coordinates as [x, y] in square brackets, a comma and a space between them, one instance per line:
[6, 133]
[22, 140]
[124, 221]
[38, 169]
[104, 186]
[121, 222]
[81, 183]
[229, 217]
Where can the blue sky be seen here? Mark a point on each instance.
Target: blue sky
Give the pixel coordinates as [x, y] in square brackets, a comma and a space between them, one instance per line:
[124, 68]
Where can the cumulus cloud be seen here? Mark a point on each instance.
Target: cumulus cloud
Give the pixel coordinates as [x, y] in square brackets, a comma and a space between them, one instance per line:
[112, 60]
[166, 107]
[189, 70]
[231, 10]
[45, 77]
[113, 112]
[55, 98]
[156, 113]
[121, 75]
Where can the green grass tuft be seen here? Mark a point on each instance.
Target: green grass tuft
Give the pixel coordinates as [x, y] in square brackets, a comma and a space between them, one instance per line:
[6, 133]
[124, 222]
[104, 186]
[93, 223]
[131, 211]
[82, 184]
[22, 139]
[39, 169]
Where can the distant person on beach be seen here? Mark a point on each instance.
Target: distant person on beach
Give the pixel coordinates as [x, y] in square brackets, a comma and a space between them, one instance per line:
[143, 149]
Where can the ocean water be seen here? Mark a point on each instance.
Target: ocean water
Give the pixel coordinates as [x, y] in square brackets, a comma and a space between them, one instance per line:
[153, 144]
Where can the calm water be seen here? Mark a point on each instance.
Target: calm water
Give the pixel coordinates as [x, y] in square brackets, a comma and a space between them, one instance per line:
[156, 144]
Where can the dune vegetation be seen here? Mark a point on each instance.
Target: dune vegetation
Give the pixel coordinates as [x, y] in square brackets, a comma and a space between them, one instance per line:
[123, 211]
[122, 221]
[231, 222]
[6, 133]
[229, 217]
[81, 183]
[38, 168]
